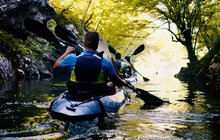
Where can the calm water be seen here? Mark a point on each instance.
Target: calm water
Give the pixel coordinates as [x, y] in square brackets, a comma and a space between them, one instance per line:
[193, 113]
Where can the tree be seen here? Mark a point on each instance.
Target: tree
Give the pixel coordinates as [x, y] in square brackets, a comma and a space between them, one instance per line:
[189, 17]
[210, 32]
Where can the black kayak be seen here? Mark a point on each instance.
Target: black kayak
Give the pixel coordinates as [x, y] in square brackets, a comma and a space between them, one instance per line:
[64, 107]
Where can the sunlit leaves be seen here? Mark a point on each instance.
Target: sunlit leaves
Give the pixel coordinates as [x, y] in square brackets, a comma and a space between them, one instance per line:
[125, 23]
[115, 20]
[196, 20]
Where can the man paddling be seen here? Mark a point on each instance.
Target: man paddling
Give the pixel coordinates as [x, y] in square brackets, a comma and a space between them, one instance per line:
[90, 71]
[123, 67]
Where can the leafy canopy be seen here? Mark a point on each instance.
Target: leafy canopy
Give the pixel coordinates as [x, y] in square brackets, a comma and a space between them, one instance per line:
[116, 21]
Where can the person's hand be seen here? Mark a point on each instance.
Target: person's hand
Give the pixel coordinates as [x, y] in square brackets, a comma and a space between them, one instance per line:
[69, 50]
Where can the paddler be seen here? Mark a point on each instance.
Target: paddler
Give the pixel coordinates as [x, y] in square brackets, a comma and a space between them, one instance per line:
[90, 72]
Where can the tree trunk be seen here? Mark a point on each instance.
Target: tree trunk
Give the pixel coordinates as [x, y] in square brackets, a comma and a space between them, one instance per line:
[191, 54]
[188, 43]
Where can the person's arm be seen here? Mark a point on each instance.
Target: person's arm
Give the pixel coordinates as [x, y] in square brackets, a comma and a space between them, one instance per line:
[113, 75]
[57, 63]
[113, 62]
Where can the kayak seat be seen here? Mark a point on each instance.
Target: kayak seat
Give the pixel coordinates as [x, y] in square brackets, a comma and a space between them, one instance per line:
[81, 91]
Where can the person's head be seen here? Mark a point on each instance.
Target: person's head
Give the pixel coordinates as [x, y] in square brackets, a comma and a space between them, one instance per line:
[118, 56]
[127, 58]
[91, 40]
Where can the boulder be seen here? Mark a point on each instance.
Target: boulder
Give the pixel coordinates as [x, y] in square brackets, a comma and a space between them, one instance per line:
[214, 73]
[6, 69]
[13, 13]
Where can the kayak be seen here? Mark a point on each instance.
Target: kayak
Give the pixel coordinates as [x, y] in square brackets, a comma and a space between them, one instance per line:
[64, 107]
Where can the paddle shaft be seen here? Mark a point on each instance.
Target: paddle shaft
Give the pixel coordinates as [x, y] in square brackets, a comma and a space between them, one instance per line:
[137, 51]
[144, 78]
[145, 96]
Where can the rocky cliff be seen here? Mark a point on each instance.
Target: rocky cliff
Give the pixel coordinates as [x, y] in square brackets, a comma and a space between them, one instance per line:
[24, 54]
[13, 13]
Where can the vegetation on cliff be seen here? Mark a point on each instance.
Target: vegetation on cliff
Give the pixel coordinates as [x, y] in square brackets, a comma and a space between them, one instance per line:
[33, 56]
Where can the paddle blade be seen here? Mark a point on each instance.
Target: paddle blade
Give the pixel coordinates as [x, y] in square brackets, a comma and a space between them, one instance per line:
[146, 79]
[65, 34]
[112, 50]
[68, 36]
[40, 30]
[139, 49]
[148, 98]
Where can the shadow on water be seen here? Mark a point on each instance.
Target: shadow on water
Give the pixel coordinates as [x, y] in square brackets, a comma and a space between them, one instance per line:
[24, 106]
[193, 113]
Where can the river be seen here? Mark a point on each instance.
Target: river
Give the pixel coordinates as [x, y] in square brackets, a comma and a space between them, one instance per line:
[193, 113]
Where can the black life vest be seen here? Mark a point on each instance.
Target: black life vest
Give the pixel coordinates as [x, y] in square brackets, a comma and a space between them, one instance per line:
[87, 79]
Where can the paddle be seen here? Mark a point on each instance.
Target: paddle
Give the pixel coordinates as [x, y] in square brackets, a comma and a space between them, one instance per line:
[112, 50]
[142, 94]
[67, 35]
[146, 96]
[136, 51]
[41, 30]
[144, 78]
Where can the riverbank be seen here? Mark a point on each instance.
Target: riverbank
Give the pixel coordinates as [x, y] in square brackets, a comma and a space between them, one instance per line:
[206, 71]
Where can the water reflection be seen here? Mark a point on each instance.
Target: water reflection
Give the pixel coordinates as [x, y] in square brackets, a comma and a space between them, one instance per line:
[193, 113]
[189, 110]
[21, 100]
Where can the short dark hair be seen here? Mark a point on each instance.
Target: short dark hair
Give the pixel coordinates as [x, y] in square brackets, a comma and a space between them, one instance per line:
[127, 58]
[117, 56]
[91, 40]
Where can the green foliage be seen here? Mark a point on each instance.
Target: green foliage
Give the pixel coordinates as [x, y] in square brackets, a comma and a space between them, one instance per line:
[210, 32]
[124, 24]
[51, 24]
[116, 21]
[38, 48]
[194, 20]
[12, 47]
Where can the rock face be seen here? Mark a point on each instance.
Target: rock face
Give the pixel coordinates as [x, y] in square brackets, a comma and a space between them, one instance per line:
[31, 70]
[214, 72]
[206, 72]
[13, 13]
[6, 70]
[12, 20]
